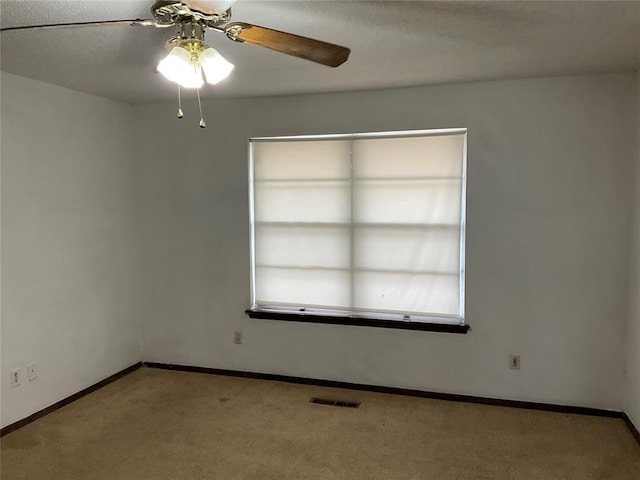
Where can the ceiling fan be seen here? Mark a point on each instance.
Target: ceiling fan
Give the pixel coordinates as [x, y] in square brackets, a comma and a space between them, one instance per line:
[191, 61]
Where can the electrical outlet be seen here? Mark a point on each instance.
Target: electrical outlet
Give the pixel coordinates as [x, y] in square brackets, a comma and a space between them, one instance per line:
[16, 377]
[32, 371]
[237, 337]
[514, 362]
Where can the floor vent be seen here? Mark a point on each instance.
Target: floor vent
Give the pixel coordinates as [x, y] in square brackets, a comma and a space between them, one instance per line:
[334, 403]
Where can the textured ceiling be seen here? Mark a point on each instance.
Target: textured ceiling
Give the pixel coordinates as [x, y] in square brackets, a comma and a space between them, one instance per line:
[392, 43]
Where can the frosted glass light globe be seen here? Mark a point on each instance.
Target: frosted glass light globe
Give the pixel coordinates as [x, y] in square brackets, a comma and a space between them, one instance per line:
[216, 68]
[179, 67]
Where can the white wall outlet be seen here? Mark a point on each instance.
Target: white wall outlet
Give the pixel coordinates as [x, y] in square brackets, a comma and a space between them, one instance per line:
[32, 371]
[237, 337]
[514, 362]
[16, 377]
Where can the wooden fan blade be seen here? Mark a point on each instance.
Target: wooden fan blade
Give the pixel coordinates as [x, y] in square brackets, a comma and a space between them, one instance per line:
[315, 50]
[82, 24]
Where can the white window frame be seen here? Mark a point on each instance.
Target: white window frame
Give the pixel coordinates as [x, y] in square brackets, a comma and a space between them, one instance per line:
[384, 316]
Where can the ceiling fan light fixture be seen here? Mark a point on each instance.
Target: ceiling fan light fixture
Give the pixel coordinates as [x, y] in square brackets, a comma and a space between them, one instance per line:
[190, 61]
[215, 67]
[181, 67]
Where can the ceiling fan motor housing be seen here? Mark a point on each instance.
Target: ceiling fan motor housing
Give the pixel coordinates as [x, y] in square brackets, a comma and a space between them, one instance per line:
[171, 12]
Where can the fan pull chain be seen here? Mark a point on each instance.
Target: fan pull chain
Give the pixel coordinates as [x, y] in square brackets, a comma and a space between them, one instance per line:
[180, 114]
[202, 124]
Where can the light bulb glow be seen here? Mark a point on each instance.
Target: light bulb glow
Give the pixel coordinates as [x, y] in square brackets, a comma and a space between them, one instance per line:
[185, 66]
[182, 68]
[215, 67]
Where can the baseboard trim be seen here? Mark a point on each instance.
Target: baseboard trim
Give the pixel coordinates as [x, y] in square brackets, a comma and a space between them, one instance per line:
[66, 401]
[634, 430]
[549, 407]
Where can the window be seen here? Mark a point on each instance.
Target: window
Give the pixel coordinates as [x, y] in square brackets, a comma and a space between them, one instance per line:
[360, 229]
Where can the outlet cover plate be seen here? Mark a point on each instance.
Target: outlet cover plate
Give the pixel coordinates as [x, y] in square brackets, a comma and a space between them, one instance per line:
[16, 377]
[32, 371]
[514, 362]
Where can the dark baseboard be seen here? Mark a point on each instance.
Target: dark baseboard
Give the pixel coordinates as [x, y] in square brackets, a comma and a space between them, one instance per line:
[395, 391]
[549, 407]
[68, 400]
[632, 427]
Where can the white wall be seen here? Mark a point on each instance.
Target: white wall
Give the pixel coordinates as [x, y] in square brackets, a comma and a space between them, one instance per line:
[549, 199]
[69, 243]
[633, 360]
[551, 165]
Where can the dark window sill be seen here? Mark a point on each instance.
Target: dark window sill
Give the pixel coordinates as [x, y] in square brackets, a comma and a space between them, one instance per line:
[356, 320]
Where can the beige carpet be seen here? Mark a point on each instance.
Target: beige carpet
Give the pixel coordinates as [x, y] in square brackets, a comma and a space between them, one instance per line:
[159, 425]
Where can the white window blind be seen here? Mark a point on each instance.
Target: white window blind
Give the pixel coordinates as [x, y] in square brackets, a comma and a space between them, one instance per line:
[367, 224]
